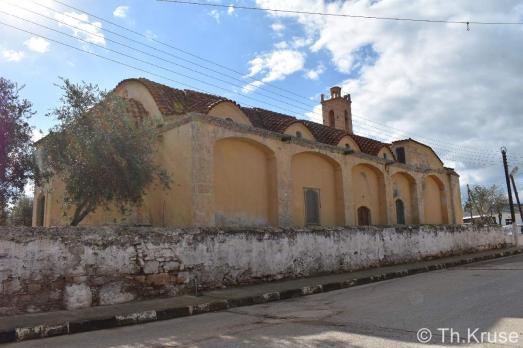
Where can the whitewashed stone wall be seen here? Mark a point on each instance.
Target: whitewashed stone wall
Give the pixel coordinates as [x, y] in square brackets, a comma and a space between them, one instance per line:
[55, 268]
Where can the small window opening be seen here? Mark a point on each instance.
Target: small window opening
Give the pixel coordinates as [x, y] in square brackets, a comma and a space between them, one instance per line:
[400, 212]
[400, 153]
[312, 206]
[364, 216]
[298, 134]
[331, 118]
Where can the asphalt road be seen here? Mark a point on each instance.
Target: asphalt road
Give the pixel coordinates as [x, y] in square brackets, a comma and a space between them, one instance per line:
[487, 296]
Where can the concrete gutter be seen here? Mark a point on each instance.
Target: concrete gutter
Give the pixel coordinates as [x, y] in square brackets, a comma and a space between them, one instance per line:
[48, 324]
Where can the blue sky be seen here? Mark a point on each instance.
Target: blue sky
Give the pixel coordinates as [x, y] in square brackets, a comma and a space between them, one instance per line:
[231, 40]
[457, 90]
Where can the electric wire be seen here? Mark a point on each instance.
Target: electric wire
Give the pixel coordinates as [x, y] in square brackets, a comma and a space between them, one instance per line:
[253, 8]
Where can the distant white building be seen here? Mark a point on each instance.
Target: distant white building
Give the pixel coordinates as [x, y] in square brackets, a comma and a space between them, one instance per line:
[505, 216]
[503, 220]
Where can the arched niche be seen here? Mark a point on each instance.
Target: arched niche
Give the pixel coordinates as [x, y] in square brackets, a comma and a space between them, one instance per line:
[229, 111]
[311, 171]
[299, 130]
[404, 189]
[386, 153]
[368, 190]
[349, 143]
[244, 183]
[137, 90]
[434, 201]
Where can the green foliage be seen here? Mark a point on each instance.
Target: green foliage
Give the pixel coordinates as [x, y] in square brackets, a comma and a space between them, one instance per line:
[21, 214]
[485, 201]
[16, 164]
[103, 153]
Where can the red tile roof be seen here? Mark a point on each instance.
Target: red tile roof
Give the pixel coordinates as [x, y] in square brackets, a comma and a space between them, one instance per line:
[172, 101]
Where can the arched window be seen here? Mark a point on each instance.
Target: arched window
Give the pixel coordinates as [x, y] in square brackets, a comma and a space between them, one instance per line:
[298, 134]
[364, 216]
[40, 211]
[229, 119]
[400, 212]
[347, 146]
[331, 118]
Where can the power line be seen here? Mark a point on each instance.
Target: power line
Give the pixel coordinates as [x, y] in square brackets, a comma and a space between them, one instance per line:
[262, 87]
[104, 57]
[180, 50]
[144, 61]
[386, 129]
[464, 158]
[143, 52]
[253, 8]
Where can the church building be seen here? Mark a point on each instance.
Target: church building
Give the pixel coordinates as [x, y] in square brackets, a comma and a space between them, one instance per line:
[242, 166]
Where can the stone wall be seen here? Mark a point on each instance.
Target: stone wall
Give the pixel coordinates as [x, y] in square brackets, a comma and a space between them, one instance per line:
[64, 268]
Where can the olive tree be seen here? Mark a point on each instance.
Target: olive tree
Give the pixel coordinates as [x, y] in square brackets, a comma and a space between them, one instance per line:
[102, 150]
[16, 165]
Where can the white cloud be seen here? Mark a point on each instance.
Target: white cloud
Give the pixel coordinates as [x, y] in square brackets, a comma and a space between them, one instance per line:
[37, 44]
[85, 30]
[278, 27]
[121, 11]
[315, 73]
[273, 66]
[13, 56]
[215, 14]
[457, 88]
[281, 45]
[230, 10]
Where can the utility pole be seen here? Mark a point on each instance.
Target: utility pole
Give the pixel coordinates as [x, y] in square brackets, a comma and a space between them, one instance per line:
[511, 203]
[470, 205]
[512, 174]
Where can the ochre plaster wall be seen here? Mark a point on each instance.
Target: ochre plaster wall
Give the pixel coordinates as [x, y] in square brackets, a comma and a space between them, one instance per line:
[244, 176]
[213, 183]
[173, 206]
[434, 201]
[419, 155]
[403, 187]
[346, 140]
[368, 190]
[310, 170]
[229, 110]
[385, 153]
[299, 127]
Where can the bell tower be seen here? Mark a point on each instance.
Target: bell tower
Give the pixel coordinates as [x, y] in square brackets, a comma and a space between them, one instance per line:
[337, 110]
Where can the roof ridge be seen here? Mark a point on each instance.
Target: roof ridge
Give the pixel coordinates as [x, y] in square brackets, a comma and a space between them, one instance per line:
[173, 101]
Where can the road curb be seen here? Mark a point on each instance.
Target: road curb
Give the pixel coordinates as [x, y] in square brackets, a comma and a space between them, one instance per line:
[69, 327]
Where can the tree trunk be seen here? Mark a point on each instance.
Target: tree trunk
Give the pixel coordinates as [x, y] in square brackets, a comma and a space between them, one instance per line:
[81, 212]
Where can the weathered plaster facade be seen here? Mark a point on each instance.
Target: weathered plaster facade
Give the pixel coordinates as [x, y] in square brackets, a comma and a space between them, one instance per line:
[65, 267]
[236, 166]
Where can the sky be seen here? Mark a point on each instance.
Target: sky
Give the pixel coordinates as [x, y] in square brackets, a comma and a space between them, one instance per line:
[458, 90]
